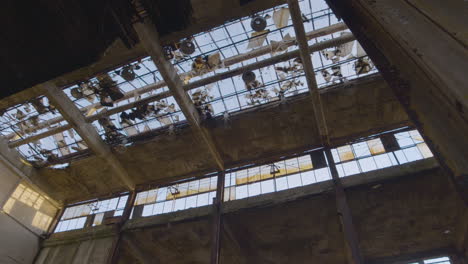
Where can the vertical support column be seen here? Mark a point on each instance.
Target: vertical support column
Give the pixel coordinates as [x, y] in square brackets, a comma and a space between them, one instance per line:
[217, 219]
[344, 213]
[425, 64]
[57, 218]
[113, 256]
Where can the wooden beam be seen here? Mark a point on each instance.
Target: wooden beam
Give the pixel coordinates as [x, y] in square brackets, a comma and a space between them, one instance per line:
[306, 59]
[87, 132]
[150, 39]
[196, 84]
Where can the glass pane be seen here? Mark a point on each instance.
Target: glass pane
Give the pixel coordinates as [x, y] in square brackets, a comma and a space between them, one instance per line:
[345, 153]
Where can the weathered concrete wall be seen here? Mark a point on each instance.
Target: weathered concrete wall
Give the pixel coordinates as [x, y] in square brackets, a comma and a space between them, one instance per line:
[91, 246]
[17, 244]
[393, 216]
[420, 49]
[94, 251]
[397, 211]
[358, 108]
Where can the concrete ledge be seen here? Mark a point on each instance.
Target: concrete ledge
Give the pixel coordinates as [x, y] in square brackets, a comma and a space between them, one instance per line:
[74, 236]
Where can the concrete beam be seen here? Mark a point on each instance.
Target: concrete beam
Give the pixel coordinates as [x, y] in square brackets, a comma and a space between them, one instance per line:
[87, 132]
[150, 39]
[425, 64]
[306, 60]
[196, 84]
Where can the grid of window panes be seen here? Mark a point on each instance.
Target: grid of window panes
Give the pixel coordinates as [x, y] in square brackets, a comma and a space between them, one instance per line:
[371, 155]
[35, 117]
[229, 40]
[76, 217]
[240, 183]
[20, 120]
[231, 94]
[179, 196]
[166, 116]
[50, 148]
[278, 176]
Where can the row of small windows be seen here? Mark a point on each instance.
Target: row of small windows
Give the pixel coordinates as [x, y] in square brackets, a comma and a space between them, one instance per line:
[387, 150]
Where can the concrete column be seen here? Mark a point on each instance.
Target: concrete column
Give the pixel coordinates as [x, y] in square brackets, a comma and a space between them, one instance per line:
[420, 47]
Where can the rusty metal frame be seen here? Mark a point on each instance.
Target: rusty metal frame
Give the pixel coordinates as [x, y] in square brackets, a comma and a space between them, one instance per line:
[217, 224]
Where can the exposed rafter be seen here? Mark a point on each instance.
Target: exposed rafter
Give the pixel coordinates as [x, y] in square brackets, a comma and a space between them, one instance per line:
[301, 39]
[87, 132]
[150, 39]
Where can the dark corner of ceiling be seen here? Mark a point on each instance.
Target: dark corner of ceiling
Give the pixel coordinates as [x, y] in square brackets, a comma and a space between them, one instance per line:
[44, 39]
[169, 15]
[244, 2]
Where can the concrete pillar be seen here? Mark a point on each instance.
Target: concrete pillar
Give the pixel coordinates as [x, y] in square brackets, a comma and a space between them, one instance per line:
[420, 47]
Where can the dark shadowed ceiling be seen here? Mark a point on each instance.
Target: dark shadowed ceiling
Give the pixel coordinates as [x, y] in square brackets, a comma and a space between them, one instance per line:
[47, 38]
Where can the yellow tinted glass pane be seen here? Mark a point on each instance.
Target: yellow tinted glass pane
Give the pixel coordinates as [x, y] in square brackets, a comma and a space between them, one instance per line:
[375, 146]
[345, 153]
